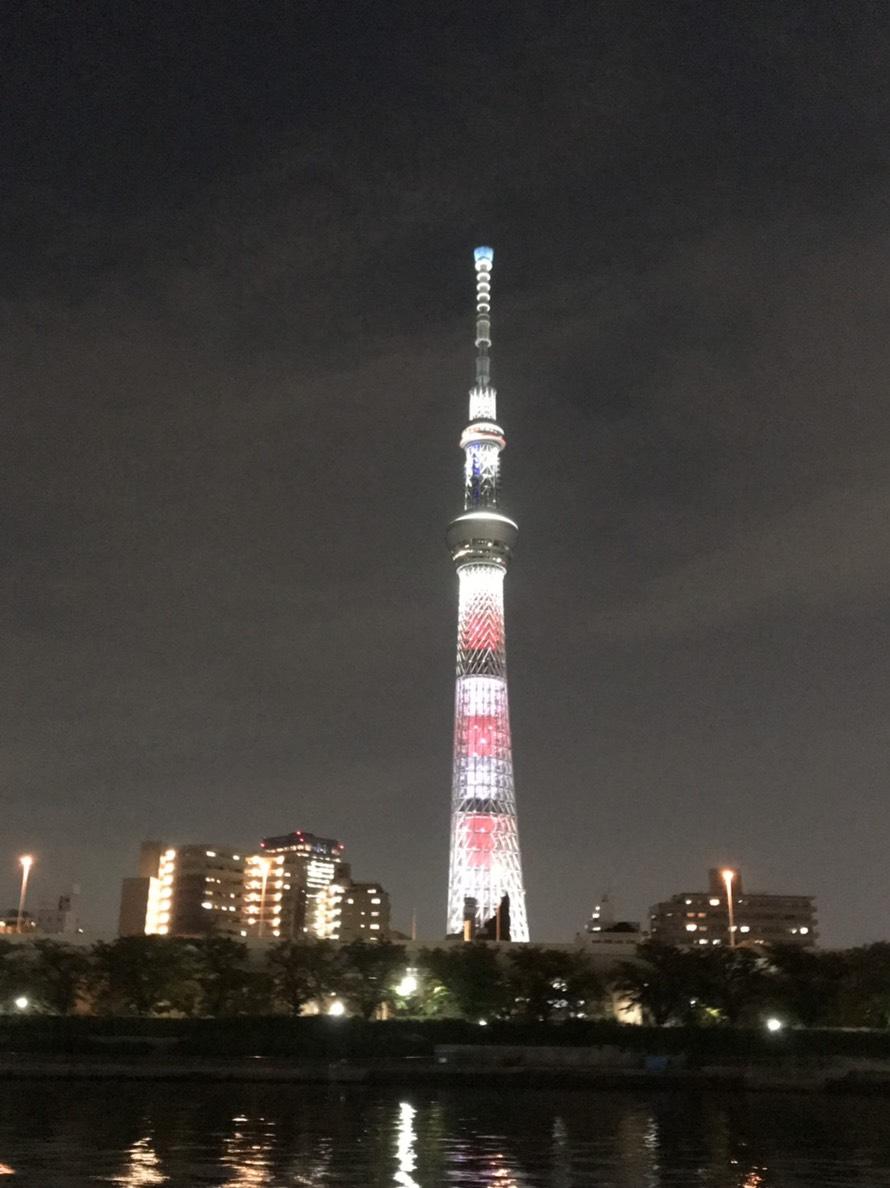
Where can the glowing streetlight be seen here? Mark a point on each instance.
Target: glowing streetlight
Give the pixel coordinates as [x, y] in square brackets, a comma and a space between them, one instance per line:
[22, 1002]
[728, 876]
[774, 1024]
[408, 984]
[26, 861]
[336, 1008]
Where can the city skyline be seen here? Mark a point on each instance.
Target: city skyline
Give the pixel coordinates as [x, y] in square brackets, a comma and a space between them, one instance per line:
[234, 334]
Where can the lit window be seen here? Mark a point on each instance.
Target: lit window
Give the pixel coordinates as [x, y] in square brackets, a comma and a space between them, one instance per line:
[714, 902]
[206, 904]
[804, 930]
[689, 901]
[373, 926]
[745, 928]
[375, 901]
[211, 853]
[692, 928]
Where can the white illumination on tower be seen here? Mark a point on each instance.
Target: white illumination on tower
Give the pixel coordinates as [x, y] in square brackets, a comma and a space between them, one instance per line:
[485, 863]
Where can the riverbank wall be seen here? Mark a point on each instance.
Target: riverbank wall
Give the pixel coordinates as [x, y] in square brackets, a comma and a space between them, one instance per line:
[326, 1050]
[444, 1071]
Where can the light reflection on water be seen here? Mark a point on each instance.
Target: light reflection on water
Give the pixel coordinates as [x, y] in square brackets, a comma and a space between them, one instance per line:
[406, 1137]
[143, 1168]
[280, 1136]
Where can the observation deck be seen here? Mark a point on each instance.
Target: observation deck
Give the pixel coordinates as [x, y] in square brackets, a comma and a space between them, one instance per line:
[482, 535]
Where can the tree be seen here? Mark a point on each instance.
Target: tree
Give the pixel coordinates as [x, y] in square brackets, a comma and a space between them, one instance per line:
[865, 991]
[471, 978]
[144, 975]
[807, 985]
[302, 972]
[544, 982]
[367, 974]
[221, 974]
[57, 975]
[664, 982]
[10, 972]
[733, 983]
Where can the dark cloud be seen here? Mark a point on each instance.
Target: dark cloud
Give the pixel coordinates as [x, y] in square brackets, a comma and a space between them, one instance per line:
[235, 338]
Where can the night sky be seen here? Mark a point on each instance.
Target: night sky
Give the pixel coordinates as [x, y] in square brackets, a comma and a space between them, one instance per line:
[237, 298]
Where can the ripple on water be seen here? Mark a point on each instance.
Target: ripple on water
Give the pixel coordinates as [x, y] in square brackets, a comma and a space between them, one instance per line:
[282, 1136]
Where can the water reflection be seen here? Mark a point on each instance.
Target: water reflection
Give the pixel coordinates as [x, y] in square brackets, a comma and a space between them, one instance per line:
[562, 1156]
[406, 1137]
[144, 1167]
[291, 1136]
[247, 1153]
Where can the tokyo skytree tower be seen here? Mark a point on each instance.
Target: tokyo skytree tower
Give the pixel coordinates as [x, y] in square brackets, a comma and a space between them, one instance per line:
[485, 860]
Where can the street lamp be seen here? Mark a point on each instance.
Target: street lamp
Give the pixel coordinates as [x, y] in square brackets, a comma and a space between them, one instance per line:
[408, 984]
[728, 876]
[26, 862]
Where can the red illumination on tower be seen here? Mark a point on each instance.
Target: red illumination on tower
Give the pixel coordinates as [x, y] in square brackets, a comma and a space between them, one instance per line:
[485, 861]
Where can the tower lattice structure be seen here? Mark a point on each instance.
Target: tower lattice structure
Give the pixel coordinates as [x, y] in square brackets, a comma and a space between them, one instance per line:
[485, 862]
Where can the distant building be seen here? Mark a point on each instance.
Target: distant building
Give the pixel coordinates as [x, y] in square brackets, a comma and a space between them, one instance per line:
[60, 918]
[603, 931]
[350, 911]
[56, 919]
[190, 890]
[703, 917]
[294, 887]
[282, 884]
[10, 923]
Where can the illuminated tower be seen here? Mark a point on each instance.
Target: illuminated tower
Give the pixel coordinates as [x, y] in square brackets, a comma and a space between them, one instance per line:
[485, 861]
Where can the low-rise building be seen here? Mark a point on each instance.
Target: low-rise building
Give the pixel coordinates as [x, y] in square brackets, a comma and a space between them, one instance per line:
[726, 910]
[603, 932]
[349, 911]
[294, 888]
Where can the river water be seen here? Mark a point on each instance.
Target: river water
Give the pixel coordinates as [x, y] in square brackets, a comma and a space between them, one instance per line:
[278, 1136]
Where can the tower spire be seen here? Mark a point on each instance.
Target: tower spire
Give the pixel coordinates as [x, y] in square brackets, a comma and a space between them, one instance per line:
[485, 864]
[484, 259]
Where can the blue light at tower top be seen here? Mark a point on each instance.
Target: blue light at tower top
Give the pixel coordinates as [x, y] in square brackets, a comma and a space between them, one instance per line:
[484, 253]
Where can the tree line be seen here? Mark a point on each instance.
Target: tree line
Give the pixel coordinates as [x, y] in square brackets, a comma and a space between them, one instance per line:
[217, 976]
[744, 986]
[662, 986]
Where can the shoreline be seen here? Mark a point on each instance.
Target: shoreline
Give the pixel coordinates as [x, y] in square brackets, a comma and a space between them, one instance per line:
[265, 1070]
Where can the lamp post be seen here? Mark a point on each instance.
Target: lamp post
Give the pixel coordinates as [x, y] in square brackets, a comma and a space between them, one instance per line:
[26, 862]
[728, 876]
